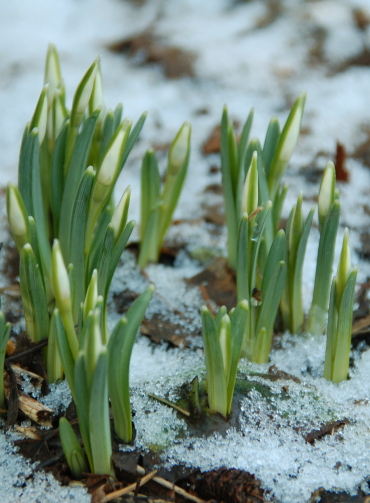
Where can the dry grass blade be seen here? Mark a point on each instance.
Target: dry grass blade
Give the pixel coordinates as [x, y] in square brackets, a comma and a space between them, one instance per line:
[128, 489]
[170, 404]
[172, 487]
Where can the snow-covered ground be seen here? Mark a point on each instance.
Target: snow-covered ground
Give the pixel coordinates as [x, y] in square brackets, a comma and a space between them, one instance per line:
[244, 58]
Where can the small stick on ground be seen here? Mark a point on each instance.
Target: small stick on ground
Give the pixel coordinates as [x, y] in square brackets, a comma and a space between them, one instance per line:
[129, 489]
[172, 487]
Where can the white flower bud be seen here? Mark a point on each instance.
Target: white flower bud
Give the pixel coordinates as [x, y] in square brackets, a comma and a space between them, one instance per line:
[120, 213]
[53, 74]
[111, 162]
[291, 130]
[83, 93]
[40, 117]
[180, 147]
[250, 190]
[344, 265]
[224, 339]
[16, 214]
[60, 279]
[327, 191]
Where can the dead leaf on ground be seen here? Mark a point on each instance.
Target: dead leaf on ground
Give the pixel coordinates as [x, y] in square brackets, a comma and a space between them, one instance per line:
[361, 18]
[148, 48]
[316, 53]
[326, 429]
[214, 188]
[216, 283]
[361, 59]
[162, 330]
[212, 145]
[275, 374]
[342, 173]
[214, 213]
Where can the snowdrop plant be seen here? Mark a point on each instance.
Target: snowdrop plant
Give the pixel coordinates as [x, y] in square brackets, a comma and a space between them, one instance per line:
[260, 273]
[264, 293]
[158, 201]
[88, 380]
[4, 337]
[68, 167]
[95, 368]
[298, 230]
[339, 327]
[223, 338]
[273, 158]
[329, 211]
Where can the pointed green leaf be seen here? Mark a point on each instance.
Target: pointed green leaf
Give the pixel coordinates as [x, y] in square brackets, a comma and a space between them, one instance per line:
[72, 449]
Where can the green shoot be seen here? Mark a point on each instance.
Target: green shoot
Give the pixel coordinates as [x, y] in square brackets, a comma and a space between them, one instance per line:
[263, 288]
[329, 210]
[68, 167]
[119, 353]
[298, 231]
[339, 328]
[158, 203]
[285, 144]
[272, 160]
[223, 338]
[96, 366]
[72, 449]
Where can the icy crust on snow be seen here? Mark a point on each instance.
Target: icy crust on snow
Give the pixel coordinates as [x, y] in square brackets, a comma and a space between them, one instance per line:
[21, 482]
[269, 441]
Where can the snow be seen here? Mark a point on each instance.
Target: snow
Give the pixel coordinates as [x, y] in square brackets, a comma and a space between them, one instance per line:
[244, 67]
[21, 482]
[269, 441]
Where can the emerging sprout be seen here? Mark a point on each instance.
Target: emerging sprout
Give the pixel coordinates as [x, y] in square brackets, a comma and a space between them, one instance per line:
[65, 193]
[53, 73]
[329, 210]
[223, 338]
[286, 143]
[339, 328]
[297, 236]
[263, 293]
[83, 94]
[158, 203]
[251, 174]
[72, 449]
